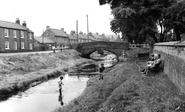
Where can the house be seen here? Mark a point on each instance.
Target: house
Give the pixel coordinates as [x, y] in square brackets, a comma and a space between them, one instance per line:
[104, 38]
[15, 37]
[43, 43]
[114, 37]
[59, 36]
[91, 38]
[73, 38]
[82, 38]
[97, 36]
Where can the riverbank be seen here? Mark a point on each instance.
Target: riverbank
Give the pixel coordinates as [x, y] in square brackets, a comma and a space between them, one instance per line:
[19, 72]
[124, 88]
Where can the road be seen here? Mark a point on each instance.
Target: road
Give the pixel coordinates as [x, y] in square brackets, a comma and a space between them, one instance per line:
[23, 53]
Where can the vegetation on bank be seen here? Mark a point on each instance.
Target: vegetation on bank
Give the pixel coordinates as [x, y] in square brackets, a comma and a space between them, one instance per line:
[125, 89]
[19, 72]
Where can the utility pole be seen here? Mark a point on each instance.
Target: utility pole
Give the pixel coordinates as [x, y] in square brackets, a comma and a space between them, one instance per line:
[87, 28]
[77, 30]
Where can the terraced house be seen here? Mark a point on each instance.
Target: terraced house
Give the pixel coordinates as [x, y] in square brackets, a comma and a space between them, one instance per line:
[15, 37]
[59, 36]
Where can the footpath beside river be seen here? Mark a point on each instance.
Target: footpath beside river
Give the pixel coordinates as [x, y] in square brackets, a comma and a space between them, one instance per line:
[125, 89]
[19, 72]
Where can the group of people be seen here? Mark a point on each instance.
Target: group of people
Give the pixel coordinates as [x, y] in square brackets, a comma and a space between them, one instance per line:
[153, 64]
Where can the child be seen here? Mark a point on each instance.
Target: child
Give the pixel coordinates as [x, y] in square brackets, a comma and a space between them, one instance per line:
[60, 83]
[101, 69]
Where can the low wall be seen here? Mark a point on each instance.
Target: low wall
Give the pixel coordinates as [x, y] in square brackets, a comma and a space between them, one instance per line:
[173, 54]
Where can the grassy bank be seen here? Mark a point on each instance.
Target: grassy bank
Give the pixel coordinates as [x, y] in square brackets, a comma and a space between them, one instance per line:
[124, 89]
[19, 72]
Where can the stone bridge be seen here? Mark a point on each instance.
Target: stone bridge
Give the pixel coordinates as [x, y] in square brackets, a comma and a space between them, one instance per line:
[114, 47]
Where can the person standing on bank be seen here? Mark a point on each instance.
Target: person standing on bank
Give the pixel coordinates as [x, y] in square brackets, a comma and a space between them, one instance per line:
[101, 69]
[60, 83]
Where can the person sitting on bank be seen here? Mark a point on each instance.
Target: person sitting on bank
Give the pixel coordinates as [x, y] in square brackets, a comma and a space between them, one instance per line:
[101, 69]
[152, 65]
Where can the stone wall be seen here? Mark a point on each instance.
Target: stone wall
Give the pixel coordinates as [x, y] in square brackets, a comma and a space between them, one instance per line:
[173, 54]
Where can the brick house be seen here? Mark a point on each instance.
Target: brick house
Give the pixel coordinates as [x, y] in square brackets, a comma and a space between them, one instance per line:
[59, 36]
[15, 37]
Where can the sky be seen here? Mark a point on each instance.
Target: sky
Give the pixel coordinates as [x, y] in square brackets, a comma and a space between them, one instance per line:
[58, 14]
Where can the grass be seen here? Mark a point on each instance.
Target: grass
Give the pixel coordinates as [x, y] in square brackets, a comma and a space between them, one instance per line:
[124, 89]
[19, 72]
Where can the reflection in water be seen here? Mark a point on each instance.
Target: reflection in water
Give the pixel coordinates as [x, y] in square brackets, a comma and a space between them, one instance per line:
[46, 97]
[60, 97]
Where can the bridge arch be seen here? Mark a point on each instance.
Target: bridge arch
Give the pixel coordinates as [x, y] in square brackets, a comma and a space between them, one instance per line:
[86, 49]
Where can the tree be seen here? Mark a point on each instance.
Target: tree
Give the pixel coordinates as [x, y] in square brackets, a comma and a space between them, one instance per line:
[175, 18]
[138, 19]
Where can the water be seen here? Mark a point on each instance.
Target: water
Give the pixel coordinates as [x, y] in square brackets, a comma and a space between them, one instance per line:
[45, 97]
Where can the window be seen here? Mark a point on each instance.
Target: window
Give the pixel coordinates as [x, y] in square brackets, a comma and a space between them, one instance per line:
[22, 45]
[31, 46]
[30, 35]
[6, 33]
[14, 34]
[22, 34]
[7, 45]
[15, 45]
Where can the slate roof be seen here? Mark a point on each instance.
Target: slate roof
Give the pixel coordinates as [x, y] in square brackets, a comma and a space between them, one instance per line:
[12, 25]
[72, 36]
[46, 40]
[96, 36]
[112, 37]
[82, 36]
[92, 38]
[59, 33]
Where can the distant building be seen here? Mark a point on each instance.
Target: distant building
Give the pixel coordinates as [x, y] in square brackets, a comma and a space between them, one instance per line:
[104, 38]
[72, 38]
[43, 43]
[91, 38]
[97, 37]
[114, 37]
[15, 37]
[82, 38]
[59, 36]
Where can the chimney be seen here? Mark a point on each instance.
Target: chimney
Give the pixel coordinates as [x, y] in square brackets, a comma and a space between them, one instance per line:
[24, 23]
[62, 29]
[72, 32]
[47, 27]
[81, 32]
[17, 21]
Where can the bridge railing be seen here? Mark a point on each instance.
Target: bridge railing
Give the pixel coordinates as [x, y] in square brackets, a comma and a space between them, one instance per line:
[138, 45]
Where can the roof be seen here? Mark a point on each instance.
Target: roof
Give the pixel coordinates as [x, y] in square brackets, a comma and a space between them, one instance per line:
[59, 33]
[12, 25]
[45, 39]
[82, 36]
[92, 38]
[72, 36]
[112, 37]
[104, 38]
[96, 36]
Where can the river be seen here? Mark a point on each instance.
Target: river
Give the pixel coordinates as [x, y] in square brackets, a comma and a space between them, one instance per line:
[45, 97]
